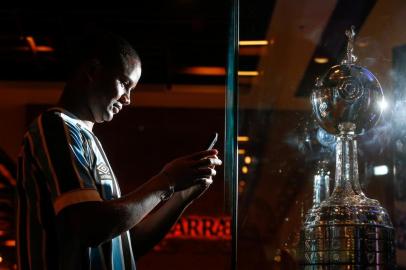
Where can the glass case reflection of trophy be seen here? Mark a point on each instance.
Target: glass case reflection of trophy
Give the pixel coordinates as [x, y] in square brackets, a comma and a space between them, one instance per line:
[347, 230]
[321, 183]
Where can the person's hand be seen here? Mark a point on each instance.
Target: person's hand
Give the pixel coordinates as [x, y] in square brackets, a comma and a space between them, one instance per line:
[184, 172]
[199, 187]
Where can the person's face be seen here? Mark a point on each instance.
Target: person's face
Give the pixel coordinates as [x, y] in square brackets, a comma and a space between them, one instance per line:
[111, 89]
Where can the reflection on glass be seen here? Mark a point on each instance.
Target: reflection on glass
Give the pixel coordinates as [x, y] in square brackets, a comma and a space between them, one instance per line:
[321, 183]
[348, 229]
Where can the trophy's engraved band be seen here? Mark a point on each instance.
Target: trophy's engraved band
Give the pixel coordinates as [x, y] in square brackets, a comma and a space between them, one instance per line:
[350, 231]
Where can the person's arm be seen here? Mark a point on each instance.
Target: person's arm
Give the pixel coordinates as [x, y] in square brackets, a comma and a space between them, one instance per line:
[91, 223]
[150, 231]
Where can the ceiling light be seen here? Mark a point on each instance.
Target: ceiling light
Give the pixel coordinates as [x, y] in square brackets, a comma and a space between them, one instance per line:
[204, 71]
[10, 243]
[243, 138]
[248, 73]
[31, 42]
[34, 47]
[247, 160]
[253, 42]
[42, 48]
[321, 60]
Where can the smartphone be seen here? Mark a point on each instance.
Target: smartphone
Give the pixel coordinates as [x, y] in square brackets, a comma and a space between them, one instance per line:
[213, 141]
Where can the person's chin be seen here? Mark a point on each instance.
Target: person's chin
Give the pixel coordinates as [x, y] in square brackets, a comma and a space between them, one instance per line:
[105, 117]
[108, 116]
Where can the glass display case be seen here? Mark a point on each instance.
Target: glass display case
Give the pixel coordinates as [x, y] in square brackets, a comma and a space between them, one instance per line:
[293, 162]
[306, 186]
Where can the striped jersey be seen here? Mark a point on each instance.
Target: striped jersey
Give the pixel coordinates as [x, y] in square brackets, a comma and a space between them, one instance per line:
[62, 163]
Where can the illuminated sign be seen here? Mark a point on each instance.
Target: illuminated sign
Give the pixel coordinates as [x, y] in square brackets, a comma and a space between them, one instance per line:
[201, 228]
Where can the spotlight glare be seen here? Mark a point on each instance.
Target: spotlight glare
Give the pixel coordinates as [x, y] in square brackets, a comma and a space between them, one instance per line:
[381, 170]
[383, 104]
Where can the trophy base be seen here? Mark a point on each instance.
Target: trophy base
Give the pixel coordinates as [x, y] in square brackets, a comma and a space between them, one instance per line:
[347, 237]
[348, 267]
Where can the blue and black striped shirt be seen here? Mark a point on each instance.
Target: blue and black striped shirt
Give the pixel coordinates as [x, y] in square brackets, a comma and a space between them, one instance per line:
[62, 163]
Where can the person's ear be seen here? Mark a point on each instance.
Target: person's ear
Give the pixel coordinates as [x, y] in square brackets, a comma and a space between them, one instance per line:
[92, 67]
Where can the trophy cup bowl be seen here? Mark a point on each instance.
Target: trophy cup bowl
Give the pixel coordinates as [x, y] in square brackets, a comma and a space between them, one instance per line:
[348, 93]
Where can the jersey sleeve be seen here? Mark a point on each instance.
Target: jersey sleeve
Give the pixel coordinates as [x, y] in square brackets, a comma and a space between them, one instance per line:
[64, 162]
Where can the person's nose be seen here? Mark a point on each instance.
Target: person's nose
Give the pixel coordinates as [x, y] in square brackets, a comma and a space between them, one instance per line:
[125, 99]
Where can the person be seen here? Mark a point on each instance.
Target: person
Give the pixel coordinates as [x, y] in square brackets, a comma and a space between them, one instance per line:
[71, 214]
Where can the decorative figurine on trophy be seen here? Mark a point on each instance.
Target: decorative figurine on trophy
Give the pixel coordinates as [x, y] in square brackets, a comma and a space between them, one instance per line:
[347, 230]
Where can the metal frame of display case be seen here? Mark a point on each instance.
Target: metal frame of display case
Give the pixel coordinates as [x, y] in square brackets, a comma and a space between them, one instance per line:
[231, 127]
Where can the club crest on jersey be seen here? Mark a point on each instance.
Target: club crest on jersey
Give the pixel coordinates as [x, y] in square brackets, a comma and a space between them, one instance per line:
[103, 171]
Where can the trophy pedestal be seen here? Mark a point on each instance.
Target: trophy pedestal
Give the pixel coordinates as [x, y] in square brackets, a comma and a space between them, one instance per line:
[348, 237]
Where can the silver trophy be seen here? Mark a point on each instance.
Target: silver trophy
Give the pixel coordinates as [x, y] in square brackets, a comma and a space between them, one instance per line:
[347, 230]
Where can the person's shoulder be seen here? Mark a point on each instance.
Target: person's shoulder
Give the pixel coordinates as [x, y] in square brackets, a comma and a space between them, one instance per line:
[55, 127]
[53, 119]
[36, 129]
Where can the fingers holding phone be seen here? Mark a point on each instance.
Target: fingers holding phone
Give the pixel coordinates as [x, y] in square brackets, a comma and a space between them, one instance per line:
[202, 165]
[185, 171]
[209, 163]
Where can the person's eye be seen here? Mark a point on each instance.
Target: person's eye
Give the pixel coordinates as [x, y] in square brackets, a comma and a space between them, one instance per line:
[124, 84]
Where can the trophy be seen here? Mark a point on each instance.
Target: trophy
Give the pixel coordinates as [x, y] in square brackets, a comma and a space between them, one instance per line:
[347, 230]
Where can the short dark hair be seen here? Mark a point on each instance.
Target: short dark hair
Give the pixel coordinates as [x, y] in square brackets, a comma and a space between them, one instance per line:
[110, 49]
